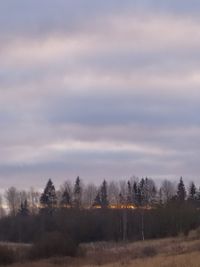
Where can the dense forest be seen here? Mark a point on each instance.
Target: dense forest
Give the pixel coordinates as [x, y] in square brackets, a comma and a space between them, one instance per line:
[127, 210]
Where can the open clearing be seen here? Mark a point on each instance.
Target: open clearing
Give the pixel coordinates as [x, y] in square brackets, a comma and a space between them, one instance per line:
[170, 252]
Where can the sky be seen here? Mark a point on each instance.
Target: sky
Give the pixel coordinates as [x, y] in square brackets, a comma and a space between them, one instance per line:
[100, 89]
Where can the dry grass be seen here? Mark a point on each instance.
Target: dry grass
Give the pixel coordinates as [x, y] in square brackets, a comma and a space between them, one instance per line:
[171, 252]
[185, 260]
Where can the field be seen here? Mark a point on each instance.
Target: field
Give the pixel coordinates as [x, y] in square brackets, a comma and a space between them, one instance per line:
[171, 252]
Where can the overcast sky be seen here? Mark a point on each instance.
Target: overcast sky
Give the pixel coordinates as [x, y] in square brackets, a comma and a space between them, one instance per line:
[100, 89]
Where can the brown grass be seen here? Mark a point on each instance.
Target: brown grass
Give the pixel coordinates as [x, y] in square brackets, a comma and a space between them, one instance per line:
[170, 252]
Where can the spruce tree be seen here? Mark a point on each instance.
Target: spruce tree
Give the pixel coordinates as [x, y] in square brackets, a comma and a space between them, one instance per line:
[181, 192]
[192, 192]
[97, 200]
[135, 192]
[103, 195]
[48, 198]
[65, 199]
[129, 193]
[77, 193]
[101, 198]
[140, 193]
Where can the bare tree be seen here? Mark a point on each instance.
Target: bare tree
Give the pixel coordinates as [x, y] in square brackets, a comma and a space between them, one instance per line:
[113, 192]
[168, 190]
[2, 210]
[12, 197]
[23, 195]
[65, 187]
[123, 187]
[34, 200]
[89, 194]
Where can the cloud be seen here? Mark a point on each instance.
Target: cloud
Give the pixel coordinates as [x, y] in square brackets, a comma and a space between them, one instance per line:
[100, 90]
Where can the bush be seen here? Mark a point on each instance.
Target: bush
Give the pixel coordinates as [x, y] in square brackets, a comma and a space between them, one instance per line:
[53, 244]
[6, 255]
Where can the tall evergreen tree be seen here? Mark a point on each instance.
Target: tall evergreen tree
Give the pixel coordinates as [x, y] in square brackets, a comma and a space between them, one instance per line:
[140, 193]
[48, 198]
[192, 192]
[97, 200]
[103, 195]
[77, 193]
[129, 193]
[66, 198]
[135, 193]
[181, 192]
[101, 198]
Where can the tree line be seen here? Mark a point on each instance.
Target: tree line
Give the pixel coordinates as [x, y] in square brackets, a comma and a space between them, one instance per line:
[127, 210]
[133, 193]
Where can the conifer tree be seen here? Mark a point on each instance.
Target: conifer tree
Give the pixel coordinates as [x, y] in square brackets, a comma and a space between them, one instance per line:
[181, 192]
[129, 193]
[140, 193]
[192, 192]
[48, 198]
[135, 192]
[97, 200]
[103, 195]
[65, 198]
[101, 198]
[77, 193]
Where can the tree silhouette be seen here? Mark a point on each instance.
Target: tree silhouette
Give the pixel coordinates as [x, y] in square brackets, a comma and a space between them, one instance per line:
[129, 193]
[135, 193]
[103, 195]
[181, 192]
[66, 198]
[77, 193]
[24, 210]
[101, 198]
[48, 198]
[192, 192]
[97, 200]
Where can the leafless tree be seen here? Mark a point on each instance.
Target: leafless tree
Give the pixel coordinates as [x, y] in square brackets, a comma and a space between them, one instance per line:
[34, 200]
[89, 194]
[168, 190]
[66, 185]
[12, 197]
[123, 187]
[113, 192]
[2, 210]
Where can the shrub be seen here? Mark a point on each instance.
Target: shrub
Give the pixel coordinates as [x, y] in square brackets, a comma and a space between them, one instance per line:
[53, 244]
[6, 255]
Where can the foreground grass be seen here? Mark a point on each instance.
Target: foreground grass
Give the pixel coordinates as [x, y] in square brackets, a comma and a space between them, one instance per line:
[189, 259]
[171, 252]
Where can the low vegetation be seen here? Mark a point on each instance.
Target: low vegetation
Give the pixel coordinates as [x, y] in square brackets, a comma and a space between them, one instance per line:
[53, 244]
[170, 252]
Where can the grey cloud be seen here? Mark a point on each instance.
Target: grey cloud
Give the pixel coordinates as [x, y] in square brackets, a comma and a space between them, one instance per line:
[34, 17]
[134, 91]
[123, 109]
[86, 164]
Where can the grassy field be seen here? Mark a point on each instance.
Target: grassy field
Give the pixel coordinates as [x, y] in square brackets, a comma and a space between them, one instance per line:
[171, 252]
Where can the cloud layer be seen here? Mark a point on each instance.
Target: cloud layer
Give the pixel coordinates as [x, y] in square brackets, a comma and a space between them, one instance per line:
[100, 90]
